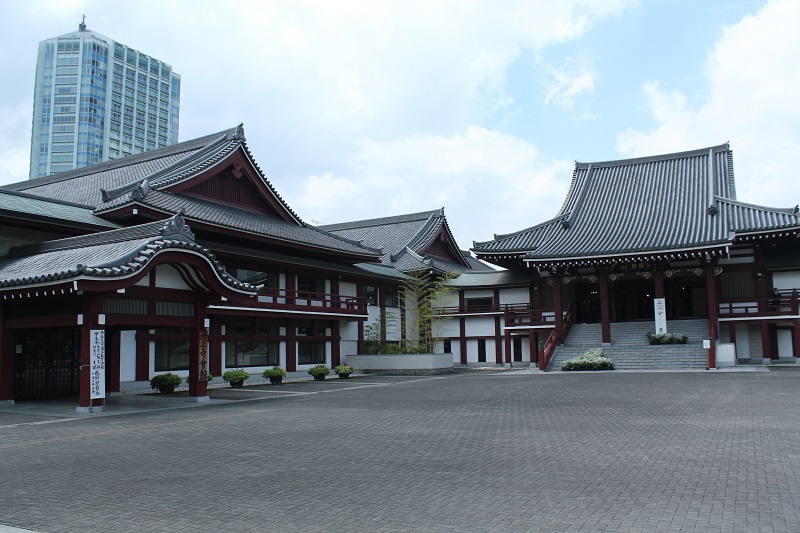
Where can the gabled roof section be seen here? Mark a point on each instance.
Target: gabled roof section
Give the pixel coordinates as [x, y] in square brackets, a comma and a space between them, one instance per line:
[175, 168]
[208, 213]
[623, 209]
[410, 242]
[112, 254]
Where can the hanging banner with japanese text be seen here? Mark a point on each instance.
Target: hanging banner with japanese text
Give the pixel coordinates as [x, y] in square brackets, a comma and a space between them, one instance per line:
[97, 356]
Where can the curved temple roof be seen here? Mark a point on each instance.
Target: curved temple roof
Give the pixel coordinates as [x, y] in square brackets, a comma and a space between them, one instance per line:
[654, 205]
[112, 254]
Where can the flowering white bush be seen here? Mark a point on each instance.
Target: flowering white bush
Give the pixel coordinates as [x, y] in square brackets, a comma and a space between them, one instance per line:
[591, 360]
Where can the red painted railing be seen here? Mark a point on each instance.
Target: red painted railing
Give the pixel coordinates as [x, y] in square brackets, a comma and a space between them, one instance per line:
[274, 298]
[785, 304]
[555, 339]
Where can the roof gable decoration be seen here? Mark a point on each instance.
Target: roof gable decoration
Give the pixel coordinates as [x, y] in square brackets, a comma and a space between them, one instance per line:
[203, 173]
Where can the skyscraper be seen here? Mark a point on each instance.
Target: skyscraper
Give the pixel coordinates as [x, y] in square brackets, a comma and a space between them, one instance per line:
[96, 99]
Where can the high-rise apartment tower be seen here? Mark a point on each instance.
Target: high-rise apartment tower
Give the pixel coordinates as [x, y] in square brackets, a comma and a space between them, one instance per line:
[96, 99]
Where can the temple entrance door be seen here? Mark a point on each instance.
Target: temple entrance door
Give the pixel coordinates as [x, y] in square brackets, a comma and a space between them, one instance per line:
[587, 303]
[686, 297]
[633, 300]
[47, 363]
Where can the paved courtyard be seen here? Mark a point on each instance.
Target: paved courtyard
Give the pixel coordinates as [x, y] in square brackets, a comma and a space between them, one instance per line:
[474, 451]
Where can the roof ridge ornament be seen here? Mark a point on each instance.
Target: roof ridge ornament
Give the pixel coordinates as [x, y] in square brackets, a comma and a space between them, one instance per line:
[238, 135]
[141, 190]
[176, 228]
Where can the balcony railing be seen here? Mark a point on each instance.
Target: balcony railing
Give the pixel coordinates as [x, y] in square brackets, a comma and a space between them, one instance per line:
[784, 305]
[522, 314]
[284, 299]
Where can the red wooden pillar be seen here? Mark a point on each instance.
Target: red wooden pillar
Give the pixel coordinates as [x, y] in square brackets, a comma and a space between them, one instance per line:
[732, 333]
[462, 329]
[291, 346]
[796, 337]
[559, 309]
[605, 315]
[533, 346]
[498, 343]
[713, 315]
[142, 356]
[336, 344]
[92, 320]
[6, 360]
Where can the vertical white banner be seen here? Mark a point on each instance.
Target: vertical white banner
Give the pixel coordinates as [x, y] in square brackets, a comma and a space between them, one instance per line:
[97, 356]
[661, 315]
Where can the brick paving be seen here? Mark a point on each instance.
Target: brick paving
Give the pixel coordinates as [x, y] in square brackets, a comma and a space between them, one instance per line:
[475, 451]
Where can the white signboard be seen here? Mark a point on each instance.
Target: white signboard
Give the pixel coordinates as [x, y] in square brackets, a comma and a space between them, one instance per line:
[97, 356]
[661, 315]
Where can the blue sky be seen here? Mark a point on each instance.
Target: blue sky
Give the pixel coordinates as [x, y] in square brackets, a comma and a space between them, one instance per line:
[362, 109]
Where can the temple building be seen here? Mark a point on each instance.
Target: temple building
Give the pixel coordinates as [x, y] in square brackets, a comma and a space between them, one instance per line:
[636, 231]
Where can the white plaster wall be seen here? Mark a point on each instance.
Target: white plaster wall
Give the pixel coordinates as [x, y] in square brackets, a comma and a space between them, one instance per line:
[479, 326]
[393, 325]
[127, 356]
[479, 293]
[348, 348]
[168, 278]
[145, 281]
[785, 343]
[448, 299]
[514, 296]
[448, 328]
[349, 331]
[786, 280]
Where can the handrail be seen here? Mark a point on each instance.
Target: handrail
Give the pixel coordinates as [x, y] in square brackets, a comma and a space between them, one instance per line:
[785, 304]
[555, 339]
[304, 299]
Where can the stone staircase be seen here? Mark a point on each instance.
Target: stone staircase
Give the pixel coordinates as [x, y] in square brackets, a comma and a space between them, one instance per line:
[630, 349]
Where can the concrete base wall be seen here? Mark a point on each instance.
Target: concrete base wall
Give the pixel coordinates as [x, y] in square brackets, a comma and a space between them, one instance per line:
[403, 364]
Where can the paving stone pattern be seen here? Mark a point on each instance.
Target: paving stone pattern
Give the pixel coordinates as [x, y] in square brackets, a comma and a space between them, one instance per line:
[474, 451]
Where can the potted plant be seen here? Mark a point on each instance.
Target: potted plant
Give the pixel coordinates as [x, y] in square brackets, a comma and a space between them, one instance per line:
[343, 371]
[235, 377]
[165, 383]
[275, 374]
[319, 372]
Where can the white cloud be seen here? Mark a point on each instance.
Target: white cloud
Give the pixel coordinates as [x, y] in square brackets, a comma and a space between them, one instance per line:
[487, 181]
[752, 102]
[568, 81]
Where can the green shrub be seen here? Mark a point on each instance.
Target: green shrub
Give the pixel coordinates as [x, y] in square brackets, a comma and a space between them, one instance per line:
[343, 369]
[234, 376]
[591, 360]
[162, 381]
[276, 371]
[666, 338]
[319, 370]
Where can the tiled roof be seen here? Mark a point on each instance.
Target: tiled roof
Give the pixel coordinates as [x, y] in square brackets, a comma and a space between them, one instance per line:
[23, 205]
[402, 238]
[491, 278]
[656, 204]
[84, 185]
[115, 253]
[208, 211]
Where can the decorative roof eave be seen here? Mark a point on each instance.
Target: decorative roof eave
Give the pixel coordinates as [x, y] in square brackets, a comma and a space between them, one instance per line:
[175, 236]
[558, 219]
[767, 234]
[700, 252]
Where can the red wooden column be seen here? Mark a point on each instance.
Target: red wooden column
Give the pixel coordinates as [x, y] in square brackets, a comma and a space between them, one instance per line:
[766, 346]
[795, 325]
[605, 315]
[462, 329]
[713, 315]
[6, 360]
[198, 354]
[559, 309]
[498, 334]
[336, 344]
[533, 346]
[291, 346]
[142, 355]
[92, 320]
